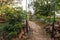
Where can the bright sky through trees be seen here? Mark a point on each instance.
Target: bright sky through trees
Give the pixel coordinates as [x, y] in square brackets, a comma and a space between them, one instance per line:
[24, 5]
[19, 3]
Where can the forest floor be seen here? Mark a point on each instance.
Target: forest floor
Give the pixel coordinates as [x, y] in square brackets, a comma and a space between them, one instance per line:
[37, 32]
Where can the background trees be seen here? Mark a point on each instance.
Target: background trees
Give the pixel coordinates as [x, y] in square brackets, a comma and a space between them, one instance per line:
[46, 8]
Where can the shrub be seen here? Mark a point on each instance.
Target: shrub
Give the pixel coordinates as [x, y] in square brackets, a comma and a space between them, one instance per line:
[13, 23]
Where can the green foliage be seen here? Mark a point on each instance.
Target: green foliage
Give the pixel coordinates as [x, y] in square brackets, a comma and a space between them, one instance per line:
[13, 23]
[43, 7]
[11, 34]
[46, 8]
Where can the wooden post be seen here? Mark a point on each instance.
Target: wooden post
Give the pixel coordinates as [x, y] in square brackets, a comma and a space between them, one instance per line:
[27, 20]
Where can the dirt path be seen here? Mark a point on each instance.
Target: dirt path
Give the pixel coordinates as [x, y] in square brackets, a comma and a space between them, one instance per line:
[36, 32]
